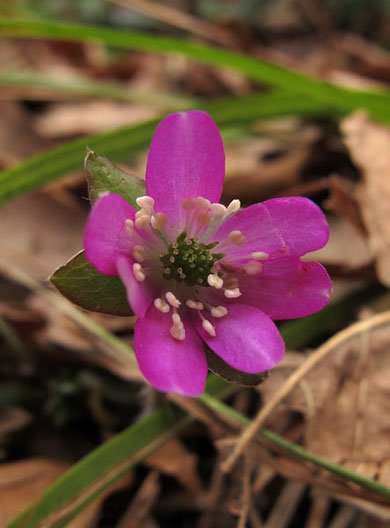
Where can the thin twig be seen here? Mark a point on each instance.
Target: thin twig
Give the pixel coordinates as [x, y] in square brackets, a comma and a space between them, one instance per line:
[312, 361]
[246, 493]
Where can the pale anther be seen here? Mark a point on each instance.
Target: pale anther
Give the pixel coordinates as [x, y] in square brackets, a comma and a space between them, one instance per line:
[236, 237]
[219, 311]
[145, 202]
[233, 206]
[202, 203]
[173, 301]
[218, 209]
[194, 304]
[159, 221]
[259, 255]
[138, 273]
[232, 294]
[209, 328]
[129, 226]
[142, 221]
[161, 305]
[178, 333]
[176, 320]
[139, 253]
[253, 267]
[215, 281]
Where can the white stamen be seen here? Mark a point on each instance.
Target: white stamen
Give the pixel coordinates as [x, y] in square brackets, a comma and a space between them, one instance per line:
[233, 206]
[177, 330]
[236, 237]
[202, 203]
[253, 267]
[178, 333]
[232, 294]
[194, 305]
[139, 253]
[176, 320]
[142, 222]
[215, 281]
[219, 311]
[173, 301]
[209, 328]
[218, 209]
[129, 226]
[145, 202]
[161, 305]
[159, 221]
[138, 273]
[259, 255]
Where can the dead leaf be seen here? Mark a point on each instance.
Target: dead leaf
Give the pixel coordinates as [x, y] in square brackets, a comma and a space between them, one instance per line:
[369, 146]
[69, 119]
[23, 482]
[173, 459]
[44, 233]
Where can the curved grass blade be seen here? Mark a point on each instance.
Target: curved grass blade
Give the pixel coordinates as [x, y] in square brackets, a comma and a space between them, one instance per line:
[255, 69]
[123, 143]
[33, 80]
[87, 479]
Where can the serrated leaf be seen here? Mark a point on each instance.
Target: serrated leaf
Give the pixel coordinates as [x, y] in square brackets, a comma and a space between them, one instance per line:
[228, 373]
[104, 176]
[82, 284]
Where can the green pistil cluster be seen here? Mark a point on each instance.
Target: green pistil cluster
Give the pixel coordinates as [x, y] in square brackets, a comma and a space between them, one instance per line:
[190, 261]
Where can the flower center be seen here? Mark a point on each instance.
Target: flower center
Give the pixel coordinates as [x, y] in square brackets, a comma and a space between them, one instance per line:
[190, 261]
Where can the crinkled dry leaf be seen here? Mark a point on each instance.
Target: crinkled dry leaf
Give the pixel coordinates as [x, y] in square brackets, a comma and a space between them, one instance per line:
[347, 405]
[369, 146]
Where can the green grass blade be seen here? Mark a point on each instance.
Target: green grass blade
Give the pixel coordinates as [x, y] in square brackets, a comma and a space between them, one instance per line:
[87, 479]
[90, 88]
[252, 68]
[123, 143]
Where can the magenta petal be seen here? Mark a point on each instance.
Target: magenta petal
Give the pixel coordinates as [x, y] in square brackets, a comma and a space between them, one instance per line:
[138, 293]
[168, 364]
[291, 226]
[287, 288]
[105, 238]
[246, 339]
[186, 159]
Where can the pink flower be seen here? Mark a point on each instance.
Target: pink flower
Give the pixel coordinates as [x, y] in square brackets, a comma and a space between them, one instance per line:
[197, 271]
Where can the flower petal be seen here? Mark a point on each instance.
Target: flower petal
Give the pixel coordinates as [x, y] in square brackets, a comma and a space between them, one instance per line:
[287, 288]
[168, 364]
[186, 160]
[290, 226]
[138, 293]
[246, 338]
[105, 238]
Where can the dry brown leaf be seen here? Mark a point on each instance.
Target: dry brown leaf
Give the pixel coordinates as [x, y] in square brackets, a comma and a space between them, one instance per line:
[23, 482]
[369, 146]
[174, 459]
[44, 233]
[346, 247]
[69, 119]
[18, 137]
